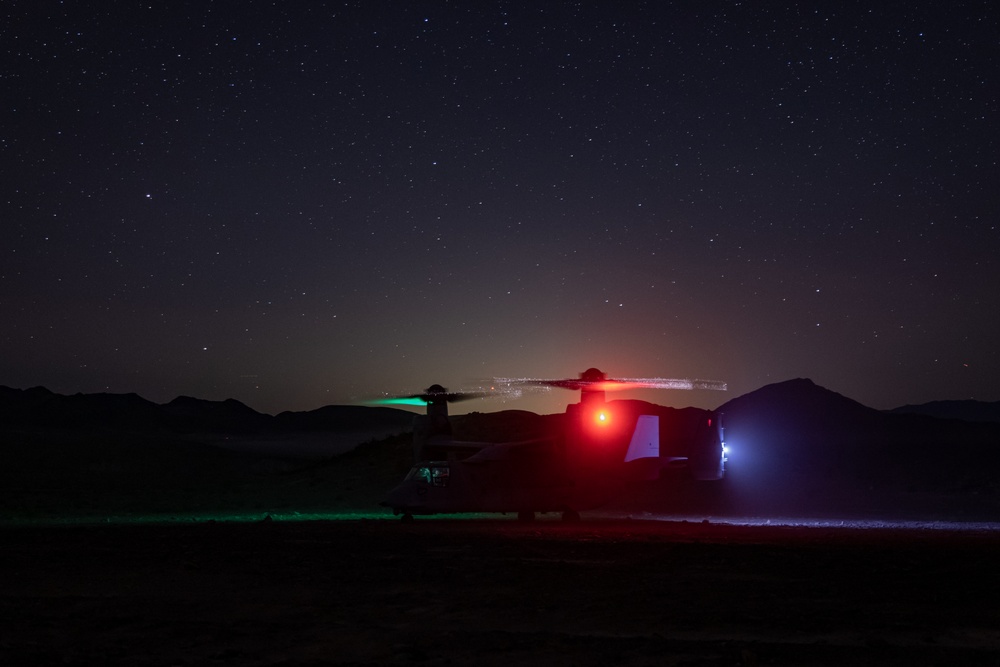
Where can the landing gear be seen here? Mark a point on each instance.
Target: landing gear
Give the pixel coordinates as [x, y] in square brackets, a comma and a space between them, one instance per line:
[570, 516]
[525, 516]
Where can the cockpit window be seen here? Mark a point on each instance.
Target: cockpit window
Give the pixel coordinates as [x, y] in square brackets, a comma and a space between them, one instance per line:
[420, 473]
[439, 475]
[434, 475]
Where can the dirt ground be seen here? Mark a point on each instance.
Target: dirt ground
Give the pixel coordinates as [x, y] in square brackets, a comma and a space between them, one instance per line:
[496, 592]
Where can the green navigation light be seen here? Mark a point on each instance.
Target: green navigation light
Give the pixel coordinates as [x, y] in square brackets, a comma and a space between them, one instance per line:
[410, 400]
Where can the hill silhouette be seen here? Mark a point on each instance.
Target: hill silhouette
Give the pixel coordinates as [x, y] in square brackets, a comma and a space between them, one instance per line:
[967, 410]
[795, 449]
[40, 408]
[796, 446]
[800, 425]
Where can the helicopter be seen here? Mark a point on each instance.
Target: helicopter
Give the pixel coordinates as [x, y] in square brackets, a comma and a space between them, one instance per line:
[600, 448]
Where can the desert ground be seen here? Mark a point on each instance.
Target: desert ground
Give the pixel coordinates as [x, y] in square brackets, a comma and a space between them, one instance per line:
[137, 534]
[496, 592]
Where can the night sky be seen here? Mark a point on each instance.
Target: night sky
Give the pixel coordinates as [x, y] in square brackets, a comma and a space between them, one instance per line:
[297, 204]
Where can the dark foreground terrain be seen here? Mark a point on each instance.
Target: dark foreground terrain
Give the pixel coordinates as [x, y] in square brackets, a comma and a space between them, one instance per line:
[496, 592]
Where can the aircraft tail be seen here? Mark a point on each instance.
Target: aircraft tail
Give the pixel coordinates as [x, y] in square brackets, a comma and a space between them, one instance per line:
[643, 456]
[645, 440]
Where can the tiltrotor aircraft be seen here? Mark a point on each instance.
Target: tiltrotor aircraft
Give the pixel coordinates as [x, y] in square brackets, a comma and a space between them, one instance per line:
[603, 447]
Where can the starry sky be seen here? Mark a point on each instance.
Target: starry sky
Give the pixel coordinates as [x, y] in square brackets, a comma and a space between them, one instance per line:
[297, 204]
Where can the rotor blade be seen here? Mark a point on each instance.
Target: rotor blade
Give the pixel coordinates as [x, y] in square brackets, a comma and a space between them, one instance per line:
[429, 397]
[456, 396]
[615, 384]
[671, 383]
[399, 400]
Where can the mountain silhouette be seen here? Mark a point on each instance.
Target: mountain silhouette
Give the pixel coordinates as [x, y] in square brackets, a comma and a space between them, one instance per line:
[967, 410]
[195, 414]
[795, 448]
[795, 444]
[40, 408]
